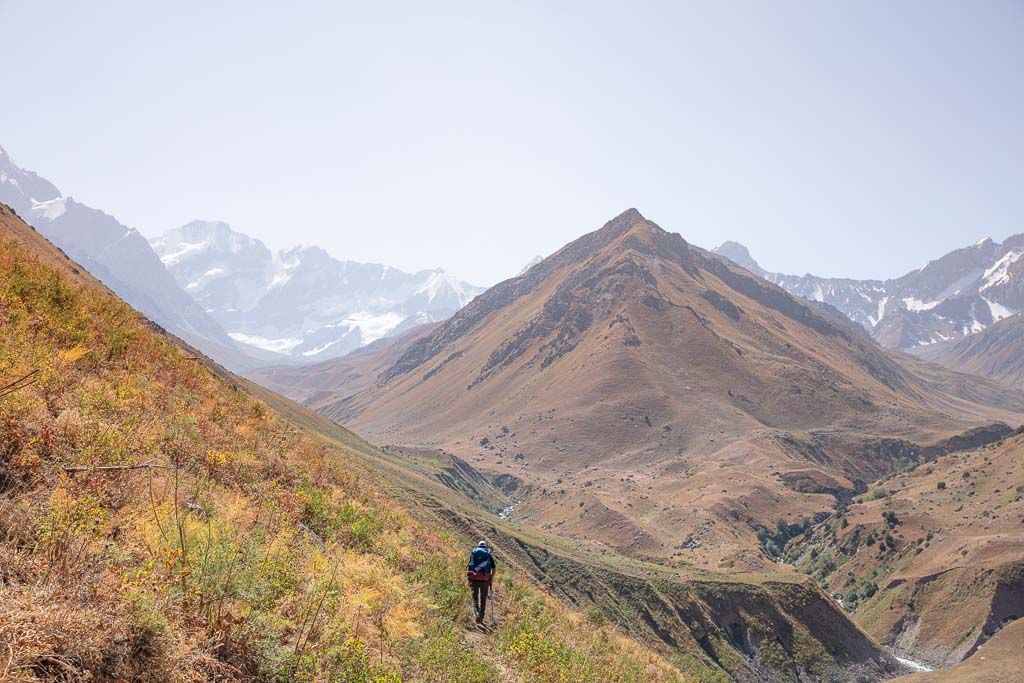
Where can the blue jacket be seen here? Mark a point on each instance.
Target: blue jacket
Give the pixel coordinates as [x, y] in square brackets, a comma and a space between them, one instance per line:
[481, 560]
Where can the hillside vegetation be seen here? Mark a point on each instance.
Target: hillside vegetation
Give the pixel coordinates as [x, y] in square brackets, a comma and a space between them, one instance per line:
[157, 523]
[929, 560]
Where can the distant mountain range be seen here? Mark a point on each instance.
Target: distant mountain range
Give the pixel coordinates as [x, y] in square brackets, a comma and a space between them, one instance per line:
[225, 293]
[958, 295]
[301, 303]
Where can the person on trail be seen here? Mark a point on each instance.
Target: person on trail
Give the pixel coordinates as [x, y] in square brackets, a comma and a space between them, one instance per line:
[480, 573]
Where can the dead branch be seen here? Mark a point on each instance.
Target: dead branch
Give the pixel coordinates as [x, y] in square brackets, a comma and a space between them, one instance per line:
[70, 469]
[19, 383]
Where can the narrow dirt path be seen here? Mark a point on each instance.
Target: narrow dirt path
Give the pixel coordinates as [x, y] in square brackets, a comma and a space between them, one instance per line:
[482, 643]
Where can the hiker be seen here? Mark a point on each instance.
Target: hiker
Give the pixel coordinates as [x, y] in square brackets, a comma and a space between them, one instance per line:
[480, 574]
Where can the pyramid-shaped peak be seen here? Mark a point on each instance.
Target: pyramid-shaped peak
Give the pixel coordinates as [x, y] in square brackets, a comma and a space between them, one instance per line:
[625, 221]
[627, 231]
[629, 223]
[630, 214]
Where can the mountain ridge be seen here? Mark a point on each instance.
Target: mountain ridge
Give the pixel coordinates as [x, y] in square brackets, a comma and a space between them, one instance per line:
[951, 297]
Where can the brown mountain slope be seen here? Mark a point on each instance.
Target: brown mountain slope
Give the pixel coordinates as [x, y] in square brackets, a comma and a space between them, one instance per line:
[932, 561]
[997, 353]
[643, 394]
[159, 523]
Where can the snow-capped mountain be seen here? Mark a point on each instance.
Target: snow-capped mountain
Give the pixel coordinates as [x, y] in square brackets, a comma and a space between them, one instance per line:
[957, 295]
[221, 269]
[117, 255]
[301, 302]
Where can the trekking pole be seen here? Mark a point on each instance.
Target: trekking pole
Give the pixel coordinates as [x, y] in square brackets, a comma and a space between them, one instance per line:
[493, 600]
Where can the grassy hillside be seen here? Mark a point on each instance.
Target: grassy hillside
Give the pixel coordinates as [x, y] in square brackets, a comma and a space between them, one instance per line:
[930, 560]
[159, 523]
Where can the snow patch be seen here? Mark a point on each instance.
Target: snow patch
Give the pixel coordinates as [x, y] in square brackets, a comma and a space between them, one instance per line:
[439, 280]
[285, 264]
[371, 327]
[999, 312]
[912, 304]
[999, 274]
[204, 278]
[282, 345]
[279, 279]
[320, 349]
[50, 210]
[881, 311]
[534, 261]
[184, 249]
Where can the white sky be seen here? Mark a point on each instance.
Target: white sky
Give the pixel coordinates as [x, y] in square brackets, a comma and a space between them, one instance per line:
[857, 139]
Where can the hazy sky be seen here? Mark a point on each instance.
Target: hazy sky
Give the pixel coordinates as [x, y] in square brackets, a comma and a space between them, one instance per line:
[842, 138]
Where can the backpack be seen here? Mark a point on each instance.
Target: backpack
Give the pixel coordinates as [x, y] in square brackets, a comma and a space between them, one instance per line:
[480, 566]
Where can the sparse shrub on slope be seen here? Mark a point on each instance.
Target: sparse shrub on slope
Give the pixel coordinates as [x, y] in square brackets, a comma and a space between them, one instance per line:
[552, 646]
[157, 524]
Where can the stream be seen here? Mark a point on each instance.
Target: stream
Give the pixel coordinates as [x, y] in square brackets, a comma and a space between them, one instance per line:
[916, 666]
[507, 512]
